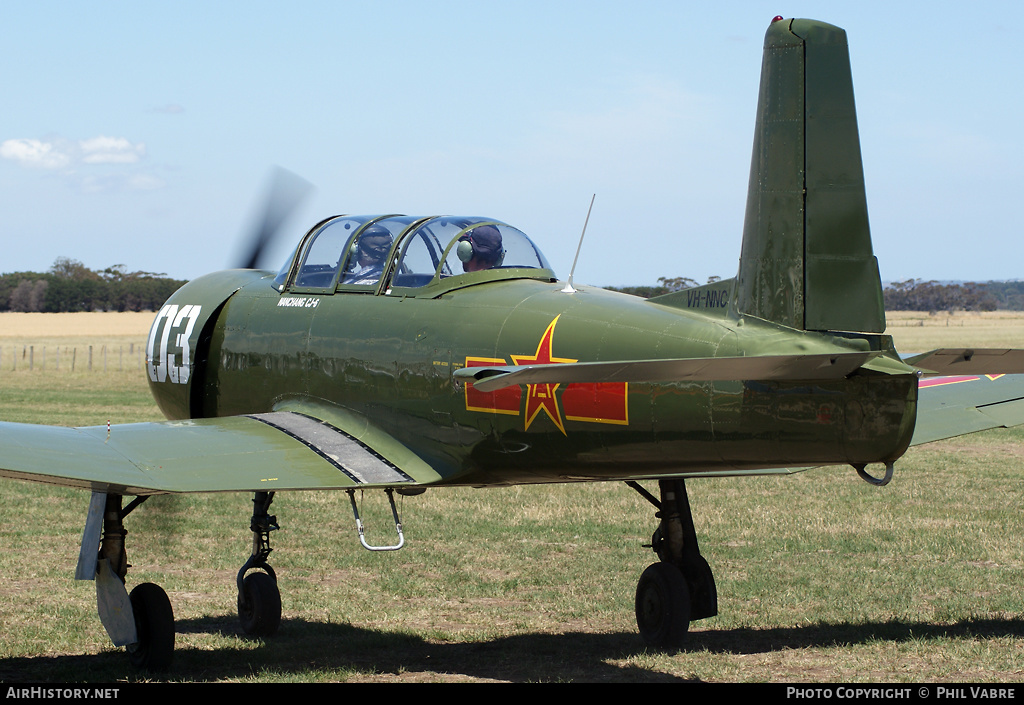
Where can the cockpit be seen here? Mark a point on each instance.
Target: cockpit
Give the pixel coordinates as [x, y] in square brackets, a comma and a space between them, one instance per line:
[401, 254]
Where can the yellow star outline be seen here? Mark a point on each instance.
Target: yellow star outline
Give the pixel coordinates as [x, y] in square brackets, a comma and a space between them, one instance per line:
[541, 397]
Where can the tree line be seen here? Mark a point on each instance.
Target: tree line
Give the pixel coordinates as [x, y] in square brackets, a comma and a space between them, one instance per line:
[665, 285]
[71, 286]
[918, 295]
[909, 295]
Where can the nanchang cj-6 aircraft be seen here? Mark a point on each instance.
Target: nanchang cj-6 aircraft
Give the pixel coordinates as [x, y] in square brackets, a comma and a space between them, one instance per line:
[403, 353]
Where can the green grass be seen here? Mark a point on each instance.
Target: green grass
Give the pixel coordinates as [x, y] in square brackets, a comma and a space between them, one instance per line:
[820, 576]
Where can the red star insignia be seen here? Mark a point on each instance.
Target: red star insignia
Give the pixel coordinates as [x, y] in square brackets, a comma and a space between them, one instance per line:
[541, 397]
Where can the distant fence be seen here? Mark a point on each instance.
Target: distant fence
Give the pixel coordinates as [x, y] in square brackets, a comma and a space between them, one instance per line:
[72, 358]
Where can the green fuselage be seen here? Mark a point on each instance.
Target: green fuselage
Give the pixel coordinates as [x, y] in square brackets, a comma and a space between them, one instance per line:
[390, 358]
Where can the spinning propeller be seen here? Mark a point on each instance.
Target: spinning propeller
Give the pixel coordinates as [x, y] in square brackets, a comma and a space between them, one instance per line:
[284, 195]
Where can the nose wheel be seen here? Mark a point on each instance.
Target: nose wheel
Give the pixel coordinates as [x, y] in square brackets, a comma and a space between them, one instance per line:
[259, 599]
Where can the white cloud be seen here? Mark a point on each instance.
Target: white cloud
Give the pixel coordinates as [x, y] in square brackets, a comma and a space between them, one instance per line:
[64, 154]
[91, 165]
[35, 153]
[110, 150]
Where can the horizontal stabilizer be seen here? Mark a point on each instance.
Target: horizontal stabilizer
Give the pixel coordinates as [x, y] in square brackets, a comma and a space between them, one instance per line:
[953, 406]
[969, 361]
[767, 367]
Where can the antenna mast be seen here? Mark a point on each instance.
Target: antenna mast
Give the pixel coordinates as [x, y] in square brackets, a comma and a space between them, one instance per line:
[568, 285]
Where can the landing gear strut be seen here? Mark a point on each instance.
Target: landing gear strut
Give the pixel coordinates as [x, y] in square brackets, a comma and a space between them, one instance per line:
[680, 588]
[142, 621]
[259, 600]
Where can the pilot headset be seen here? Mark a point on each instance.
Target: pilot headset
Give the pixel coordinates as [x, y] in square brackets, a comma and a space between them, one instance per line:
[467, 248]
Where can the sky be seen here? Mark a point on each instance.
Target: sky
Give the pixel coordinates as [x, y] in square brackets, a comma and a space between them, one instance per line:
[145, 134]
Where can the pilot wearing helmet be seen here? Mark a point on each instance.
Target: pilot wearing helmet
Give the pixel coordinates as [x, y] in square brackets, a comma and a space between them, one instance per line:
[372, 251]
[480, 248]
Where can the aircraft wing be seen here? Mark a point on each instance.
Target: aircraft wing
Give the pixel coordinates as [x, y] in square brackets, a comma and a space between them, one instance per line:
[766, 367]
[956, 405]
[282, 450]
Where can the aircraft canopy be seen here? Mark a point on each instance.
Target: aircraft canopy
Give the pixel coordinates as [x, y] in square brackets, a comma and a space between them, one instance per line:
[381, 253]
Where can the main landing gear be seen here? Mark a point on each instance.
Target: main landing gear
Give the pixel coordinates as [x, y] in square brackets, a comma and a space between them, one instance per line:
[680, 588]
[142, 621]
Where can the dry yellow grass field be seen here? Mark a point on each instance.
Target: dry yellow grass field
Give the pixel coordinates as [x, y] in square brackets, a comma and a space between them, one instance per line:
[918, 332]
[52, 340]
[57, 327]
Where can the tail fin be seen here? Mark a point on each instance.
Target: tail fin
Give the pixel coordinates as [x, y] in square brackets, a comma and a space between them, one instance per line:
[806, 260]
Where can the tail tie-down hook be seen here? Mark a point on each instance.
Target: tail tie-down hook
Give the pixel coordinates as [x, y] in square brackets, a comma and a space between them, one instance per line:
[872, 480]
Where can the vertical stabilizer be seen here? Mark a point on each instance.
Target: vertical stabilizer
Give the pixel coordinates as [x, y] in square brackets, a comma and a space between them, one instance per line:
[806, 260]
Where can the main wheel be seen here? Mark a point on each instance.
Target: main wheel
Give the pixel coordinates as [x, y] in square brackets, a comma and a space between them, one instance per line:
[154, 625]
[662, 606]
[259, 605]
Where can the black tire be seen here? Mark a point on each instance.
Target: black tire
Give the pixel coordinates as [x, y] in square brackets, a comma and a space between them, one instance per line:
[662, 606]
[154, 624]
[259, 605]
